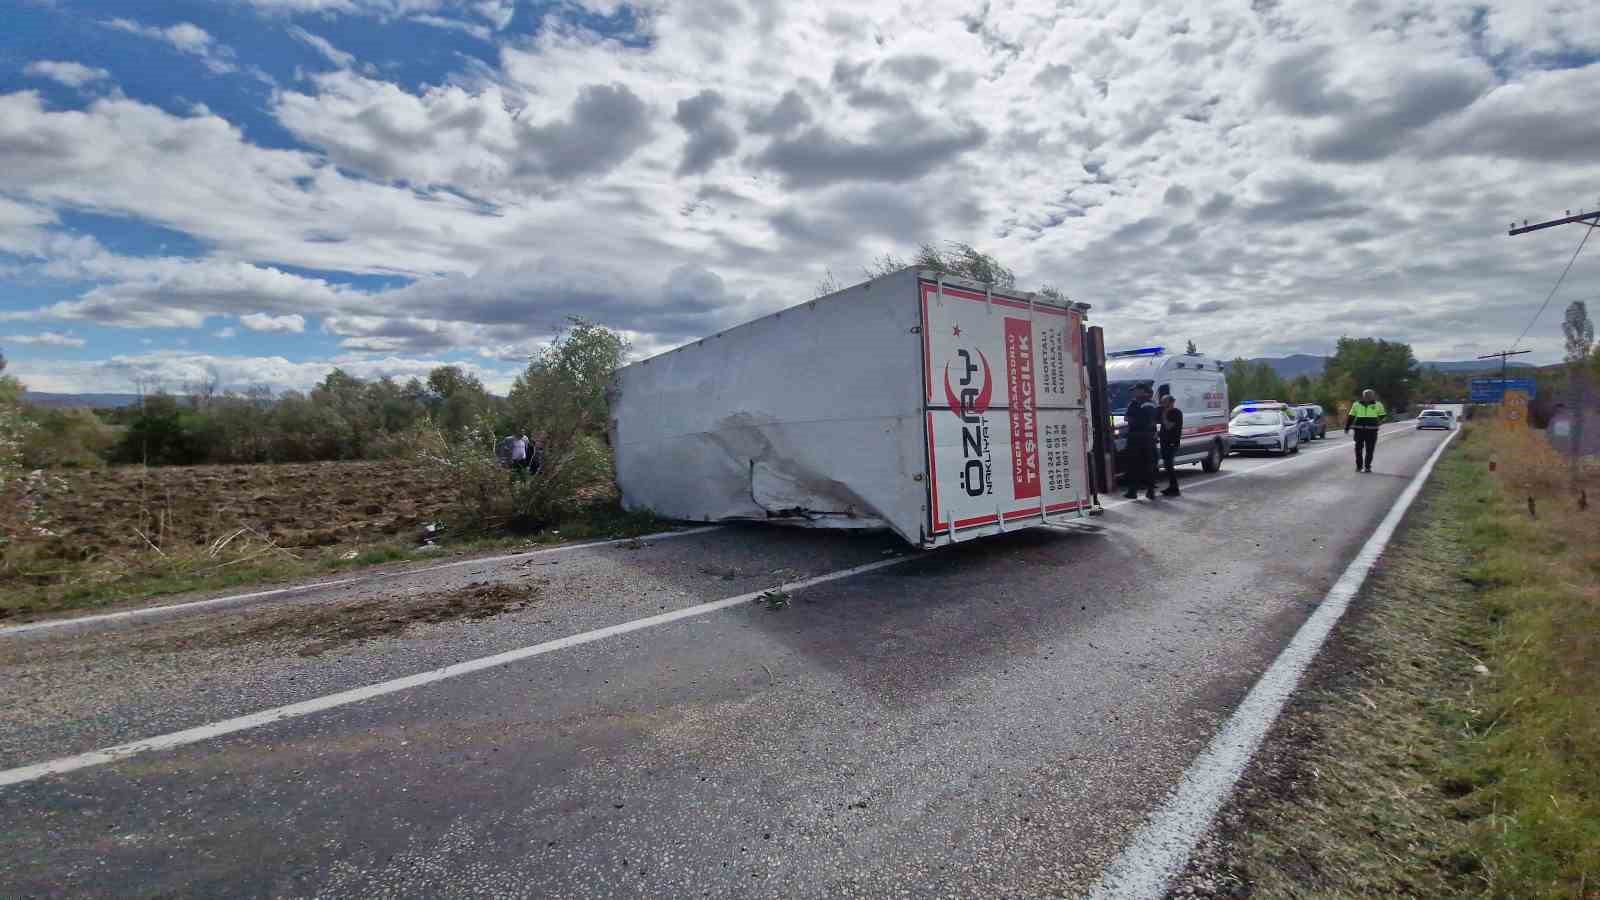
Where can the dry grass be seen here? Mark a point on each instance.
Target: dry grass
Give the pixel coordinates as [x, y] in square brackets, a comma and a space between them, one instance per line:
[1399, 770]
[1539, 575]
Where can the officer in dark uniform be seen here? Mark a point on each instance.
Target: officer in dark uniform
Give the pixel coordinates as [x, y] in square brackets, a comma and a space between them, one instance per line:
[1141, 419]
[1366, 415]
[1171, 437]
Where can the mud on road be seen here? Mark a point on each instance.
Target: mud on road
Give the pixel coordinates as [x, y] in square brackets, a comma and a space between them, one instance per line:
[313, 630]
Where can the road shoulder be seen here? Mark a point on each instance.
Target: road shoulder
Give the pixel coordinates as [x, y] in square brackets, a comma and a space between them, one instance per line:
[1389, 773]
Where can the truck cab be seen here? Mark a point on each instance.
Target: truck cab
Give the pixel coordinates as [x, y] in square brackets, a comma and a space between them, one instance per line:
[1195, 381]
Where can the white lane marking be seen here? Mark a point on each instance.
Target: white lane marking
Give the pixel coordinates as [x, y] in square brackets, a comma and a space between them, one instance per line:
[148, 612]
[1161, 847]
[1394, 429]
[356, 695]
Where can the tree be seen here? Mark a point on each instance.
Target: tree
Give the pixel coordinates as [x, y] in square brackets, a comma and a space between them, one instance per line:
[1254, 381]
[1579, 332]
[157, 435]
[203, 390]
[14, 428]
[66, 438]
[17, 508]
[1191, 350]
[561, 398]
[1388, 367]
[457, 397]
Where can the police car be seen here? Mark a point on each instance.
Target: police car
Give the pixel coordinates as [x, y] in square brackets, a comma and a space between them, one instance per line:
[1197, 384]
[1265, 425]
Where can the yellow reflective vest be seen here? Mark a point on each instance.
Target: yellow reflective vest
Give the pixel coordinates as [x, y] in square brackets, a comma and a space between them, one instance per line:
[1365, 415]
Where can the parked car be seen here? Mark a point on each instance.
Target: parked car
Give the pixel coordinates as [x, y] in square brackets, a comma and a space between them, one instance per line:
[1313, 424]
[1270, 427]
[1442, 419]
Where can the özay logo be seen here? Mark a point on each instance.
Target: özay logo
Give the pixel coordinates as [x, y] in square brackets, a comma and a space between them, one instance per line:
[972, 401]
[969, 405]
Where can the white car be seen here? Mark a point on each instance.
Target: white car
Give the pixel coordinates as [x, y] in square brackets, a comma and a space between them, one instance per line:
[1268, 427]
[1436, 418]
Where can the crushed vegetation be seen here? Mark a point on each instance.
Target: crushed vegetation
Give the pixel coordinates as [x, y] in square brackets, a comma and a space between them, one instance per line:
[774, 599]
[1447, 742]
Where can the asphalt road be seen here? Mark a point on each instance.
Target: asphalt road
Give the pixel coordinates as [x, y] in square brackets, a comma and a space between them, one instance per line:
[988, 720]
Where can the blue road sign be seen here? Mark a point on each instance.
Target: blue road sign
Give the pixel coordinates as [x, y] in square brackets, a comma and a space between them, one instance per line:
[1493, 390]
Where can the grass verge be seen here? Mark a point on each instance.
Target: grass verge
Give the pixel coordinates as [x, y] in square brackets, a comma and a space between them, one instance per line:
[1447, 741]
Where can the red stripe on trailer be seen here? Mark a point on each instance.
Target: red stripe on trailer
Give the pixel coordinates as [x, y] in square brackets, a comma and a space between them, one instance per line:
[933, 476]
[927, 351]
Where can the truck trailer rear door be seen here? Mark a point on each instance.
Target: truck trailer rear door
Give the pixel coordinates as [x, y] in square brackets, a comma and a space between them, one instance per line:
[1005, 404]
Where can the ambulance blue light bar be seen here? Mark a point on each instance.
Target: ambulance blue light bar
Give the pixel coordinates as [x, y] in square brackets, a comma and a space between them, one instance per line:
[1142, 351]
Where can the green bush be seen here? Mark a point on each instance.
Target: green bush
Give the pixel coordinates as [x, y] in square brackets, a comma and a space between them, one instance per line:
[482, 487]
[561, 400]
[67, 438]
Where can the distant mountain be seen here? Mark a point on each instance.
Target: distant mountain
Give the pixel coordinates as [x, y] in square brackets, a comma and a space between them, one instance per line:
[84, 401]
[1291, 367]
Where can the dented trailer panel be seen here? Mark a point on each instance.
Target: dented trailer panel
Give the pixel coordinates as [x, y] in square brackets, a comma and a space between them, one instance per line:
[829, 414]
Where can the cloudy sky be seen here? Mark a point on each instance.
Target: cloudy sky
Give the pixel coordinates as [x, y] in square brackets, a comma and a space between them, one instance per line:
[268, 188]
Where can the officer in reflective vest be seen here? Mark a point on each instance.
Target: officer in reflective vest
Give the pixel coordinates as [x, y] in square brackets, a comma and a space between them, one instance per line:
[1366, 415]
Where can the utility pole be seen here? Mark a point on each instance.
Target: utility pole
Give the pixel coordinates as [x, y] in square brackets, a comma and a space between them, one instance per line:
[1502, 357]
[1585, 217]
[1590, 218]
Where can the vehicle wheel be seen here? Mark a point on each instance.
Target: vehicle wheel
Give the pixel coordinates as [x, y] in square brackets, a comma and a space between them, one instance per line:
[1295, 448]
[1213, 460]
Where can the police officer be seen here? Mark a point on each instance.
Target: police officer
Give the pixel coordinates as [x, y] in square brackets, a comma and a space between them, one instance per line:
[1141, 419]
[1171, 437]
[1365, 416]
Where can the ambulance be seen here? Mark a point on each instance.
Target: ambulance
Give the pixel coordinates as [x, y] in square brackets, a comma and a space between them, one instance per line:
[1197, 382]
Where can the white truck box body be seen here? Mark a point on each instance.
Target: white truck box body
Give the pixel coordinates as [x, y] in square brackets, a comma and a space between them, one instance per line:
[824, 414]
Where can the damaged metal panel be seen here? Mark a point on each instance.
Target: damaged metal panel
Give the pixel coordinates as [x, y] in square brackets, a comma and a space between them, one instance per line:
[810, 416]
[935, 407]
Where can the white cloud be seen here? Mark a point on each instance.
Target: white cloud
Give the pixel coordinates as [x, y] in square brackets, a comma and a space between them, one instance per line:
[174, 368]
[1260, 180]
[227, 333]
[71, 74]
[481, 32]
[44, 339]
[293, 323]
[497, 13]
[185, 37]
[323, 46]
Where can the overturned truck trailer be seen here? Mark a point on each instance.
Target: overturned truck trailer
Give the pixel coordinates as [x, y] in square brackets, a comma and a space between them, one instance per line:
[940, 408]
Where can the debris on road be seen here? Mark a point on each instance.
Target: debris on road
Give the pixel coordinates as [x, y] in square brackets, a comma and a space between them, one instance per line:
[774, 599]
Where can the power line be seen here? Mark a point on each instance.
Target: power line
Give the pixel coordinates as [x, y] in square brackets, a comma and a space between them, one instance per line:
[1552, 294]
